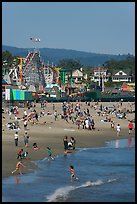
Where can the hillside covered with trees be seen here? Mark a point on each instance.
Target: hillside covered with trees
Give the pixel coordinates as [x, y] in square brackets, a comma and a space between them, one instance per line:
[56, 55]
[127, 64]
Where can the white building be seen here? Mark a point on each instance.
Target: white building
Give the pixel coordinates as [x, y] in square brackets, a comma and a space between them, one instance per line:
[120, 76]
[77, 75]
[98, 73]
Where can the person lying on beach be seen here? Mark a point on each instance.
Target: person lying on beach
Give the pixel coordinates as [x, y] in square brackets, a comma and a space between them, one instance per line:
[35, 147]
[18, 167]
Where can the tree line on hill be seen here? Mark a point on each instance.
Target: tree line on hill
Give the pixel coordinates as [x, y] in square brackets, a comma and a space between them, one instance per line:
[49, 55]
[126, 64]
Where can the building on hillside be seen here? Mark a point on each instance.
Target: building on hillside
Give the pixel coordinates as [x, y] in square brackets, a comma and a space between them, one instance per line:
[77, 76]
[121, 76]
[99, 73]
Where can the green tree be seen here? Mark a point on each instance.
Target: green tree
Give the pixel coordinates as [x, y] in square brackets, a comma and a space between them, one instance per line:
[69, 64]
[126, 65]
[7, 56]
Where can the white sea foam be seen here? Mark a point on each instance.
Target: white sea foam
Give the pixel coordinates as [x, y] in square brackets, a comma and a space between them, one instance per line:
[111, 180]
[60, 193]
[91, 183]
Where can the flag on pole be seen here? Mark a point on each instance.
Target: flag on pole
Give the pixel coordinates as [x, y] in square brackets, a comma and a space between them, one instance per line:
[35, 39]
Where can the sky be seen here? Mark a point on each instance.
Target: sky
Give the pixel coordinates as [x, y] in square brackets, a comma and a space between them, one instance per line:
[96, 27]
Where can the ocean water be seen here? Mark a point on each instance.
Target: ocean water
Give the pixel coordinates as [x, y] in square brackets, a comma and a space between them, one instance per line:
[105, 174]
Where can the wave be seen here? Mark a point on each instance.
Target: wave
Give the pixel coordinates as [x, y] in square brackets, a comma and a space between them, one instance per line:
[89, 148]
[61, 193]
[90, 183]
[111, 180]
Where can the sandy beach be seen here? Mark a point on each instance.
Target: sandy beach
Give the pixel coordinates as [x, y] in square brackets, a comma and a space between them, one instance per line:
[52, 133]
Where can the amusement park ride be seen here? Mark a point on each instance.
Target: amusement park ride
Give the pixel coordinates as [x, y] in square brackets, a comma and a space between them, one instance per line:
[32, 71]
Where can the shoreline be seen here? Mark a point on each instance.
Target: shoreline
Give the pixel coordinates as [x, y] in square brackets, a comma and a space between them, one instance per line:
[51, 134]
[31, 166]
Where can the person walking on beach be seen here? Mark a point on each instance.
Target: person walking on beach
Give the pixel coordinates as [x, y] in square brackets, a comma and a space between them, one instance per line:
[118, 130]
[130, 126]
[20, 154]
[55, 115]
[65, 144]
[112, 125]
[49, 154]
[16, 138]
[18, 167]
[26, 138]
[25, 124]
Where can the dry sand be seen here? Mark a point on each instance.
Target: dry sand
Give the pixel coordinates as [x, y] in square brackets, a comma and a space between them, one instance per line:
[52, 133]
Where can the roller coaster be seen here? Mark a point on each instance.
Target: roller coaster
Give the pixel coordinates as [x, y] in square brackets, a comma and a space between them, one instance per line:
[32, 71]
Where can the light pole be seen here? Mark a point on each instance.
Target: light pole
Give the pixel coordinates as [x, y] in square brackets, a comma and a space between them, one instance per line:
[99, 76]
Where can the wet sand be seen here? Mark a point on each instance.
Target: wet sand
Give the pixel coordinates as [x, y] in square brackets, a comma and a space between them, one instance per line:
[52, 133]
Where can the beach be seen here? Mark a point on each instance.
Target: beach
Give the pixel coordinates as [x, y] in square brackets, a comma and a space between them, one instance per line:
[52, 133]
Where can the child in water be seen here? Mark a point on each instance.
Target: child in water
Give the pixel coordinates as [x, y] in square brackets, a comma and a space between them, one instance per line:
[72, 173]
[18, 167]
[49, 154]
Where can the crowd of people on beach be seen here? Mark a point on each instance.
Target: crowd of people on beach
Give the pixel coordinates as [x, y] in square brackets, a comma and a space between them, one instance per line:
[71, 114]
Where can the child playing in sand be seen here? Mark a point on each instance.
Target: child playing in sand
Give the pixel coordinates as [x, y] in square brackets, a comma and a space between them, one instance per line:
[18, 167]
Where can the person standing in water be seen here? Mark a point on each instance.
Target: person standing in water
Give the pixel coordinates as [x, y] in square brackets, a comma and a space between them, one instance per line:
[130, 126]
[118, 130]
[65, 140]
[72, 173]
[49, 154]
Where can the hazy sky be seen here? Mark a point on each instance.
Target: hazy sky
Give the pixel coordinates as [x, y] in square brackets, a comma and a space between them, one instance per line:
[99, 27]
